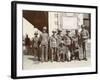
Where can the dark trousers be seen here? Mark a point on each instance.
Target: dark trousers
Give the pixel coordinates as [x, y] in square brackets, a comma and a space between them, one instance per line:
[36, 53]
[76, 55]
[84, 49]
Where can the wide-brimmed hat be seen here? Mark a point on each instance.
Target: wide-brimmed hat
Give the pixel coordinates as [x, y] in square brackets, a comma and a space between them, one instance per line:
[67, 31]
[53, 31]
[36, 33]
[59, 30]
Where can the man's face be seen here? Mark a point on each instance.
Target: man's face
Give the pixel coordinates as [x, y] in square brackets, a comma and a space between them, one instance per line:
[54, 33]
[59, 33]
[44, 30]
[83, 28]
[35, 35]
[67, 33]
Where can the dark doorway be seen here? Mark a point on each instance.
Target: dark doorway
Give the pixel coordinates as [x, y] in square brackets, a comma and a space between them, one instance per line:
[37, 18]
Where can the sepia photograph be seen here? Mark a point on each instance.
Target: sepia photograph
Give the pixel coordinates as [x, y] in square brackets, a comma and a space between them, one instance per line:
[56, 39]
[53, 39]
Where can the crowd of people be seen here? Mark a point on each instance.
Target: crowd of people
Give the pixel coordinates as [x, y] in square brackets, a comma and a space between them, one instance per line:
[57, 47]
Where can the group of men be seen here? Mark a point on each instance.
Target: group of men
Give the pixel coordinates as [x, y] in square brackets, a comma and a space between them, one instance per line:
[58, 47]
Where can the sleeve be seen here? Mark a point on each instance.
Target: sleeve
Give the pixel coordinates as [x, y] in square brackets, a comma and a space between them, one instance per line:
[40, 38]
[48, 37]
[32, 41]
[50, 40]
[87, 34]
[80, 35]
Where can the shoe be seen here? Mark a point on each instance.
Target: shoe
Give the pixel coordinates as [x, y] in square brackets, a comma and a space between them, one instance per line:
[79, 59]
[85, 59]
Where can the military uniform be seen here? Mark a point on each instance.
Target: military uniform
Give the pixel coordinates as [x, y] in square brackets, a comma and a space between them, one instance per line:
[84, 36]
[35, 46]
[76, 47]
[44, 38]
[59, 39]
[53, 46]
[27, 44]
[68, 43]
[62, 50]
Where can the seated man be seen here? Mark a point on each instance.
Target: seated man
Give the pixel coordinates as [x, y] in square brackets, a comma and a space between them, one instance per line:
[62, 50]
[76, 50]
[76, 47]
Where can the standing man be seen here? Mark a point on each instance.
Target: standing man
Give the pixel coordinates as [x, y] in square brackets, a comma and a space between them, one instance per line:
[27, 44]
[35, 45]
[84, 37]
[44, 38]
[59, 39]
[53, 45]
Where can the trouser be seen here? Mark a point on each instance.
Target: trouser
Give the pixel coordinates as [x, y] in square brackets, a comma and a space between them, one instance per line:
[36, 55]
[58, 54]
[28, 50]
[84, 49]
[63, 56]
[76, 55]
[70, 54]
[53, 52]
[44, 53]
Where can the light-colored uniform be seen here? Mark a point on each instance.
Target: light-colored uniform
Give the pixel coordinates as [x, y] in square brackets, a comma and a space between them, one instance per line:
[35, 45]
[84, 36]
[44, 46]
[53, 46]
[62, 50]
[68, 42]
[59, 39]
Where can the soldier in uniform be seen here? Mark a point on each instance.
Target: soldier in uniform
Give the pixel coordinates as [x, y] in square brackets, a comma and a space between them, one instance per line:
[44, 38]
[59, 39]
[27, 44]
[68, 42]
[84, 37]
[35, 45]
[76, 46]
[53, 45]
[62, 50]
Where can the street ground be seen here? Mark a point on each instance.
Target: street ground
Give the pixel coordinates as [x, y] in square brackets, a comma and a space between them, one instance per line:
[30, 63]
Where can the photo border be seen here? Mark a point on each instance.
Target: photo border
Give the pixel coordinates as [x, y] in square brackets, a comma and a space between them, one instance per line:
[14, 39]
